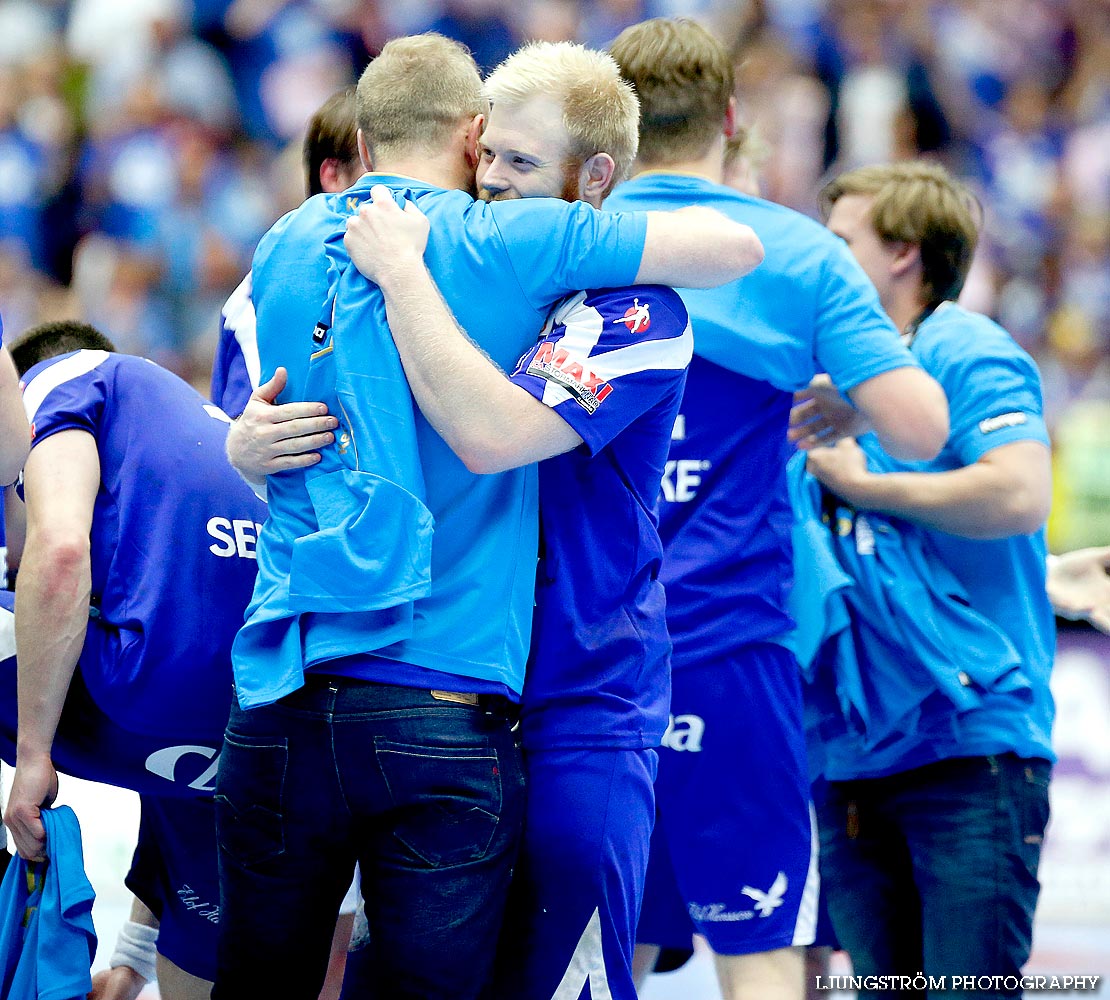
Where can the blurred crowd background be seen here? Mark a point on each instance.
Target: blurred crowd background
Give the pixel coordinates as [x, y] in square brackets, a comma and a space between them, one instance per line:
[146, 145]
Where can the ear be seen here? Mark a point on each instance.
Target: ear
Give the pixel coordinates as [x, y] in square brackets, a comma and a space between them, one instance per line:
[596, 177]
[363, 152]
[907, 257]
[473, 133]
[730, 119]
[329, 175]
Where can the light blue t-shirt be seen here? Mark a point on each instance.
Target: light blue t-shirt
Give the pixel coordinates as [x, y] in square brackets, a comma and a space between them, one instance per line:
[725, 519]
[994, 398]
[500, 267]
[46, 910]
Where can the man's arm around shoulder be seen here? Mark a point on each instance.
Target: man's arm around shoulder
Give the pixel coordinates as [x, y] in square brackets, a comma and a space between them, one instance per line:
[697, 247]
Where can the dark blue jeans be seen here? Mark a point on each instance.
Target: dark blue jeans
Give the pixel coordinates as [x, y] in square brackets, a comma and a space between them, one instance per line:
[427, 795]
[934, 870]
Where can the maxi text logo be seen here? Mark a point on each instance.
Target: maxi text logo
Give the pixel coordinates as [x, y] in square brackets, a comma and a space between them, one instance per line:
[556, 365]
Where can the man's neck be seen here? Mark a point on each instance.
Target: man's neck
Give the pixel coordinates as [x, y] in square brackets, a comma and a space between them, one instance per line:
[441, 171]
[709, 166]
[906, 307]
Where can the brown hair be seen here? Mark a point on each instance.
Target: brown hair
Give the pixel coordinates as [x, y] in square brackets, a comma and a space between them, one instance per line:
[416, 92]
[920, 203]
[330, 135]
[48, 340]
[684, 79]
[600, 110]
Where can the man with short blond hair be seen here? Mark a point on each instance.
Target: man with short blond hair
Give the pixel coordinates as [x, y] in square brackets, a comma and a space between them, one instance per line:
[600, 113]
[415, 94]
[733, 850]
[360, 626]
[932, 824]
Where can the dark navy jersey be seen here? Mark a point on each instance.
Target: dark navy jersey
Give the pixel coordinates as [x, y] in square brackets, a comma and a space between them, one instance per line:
[612, 364]
[725, 519]
[173, 537]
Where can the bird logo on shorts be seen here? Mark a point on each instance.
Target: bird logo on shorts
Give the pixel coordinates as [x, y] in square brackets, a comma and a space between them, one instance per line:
[636, 317]
[767, 902]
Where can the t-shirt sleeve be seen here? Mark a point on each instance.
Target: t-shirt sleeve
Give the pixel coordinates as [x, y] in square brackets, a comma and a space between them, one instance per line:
[235, 371]
[555, 248]
[67, 393]
[993, 400]
[607, 357]
[854, 339]
[231, 384]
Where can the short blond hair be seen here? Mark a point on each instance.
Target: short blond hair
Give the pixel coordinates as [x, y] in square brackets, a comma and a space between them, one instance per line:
[600, 110]
[684, 79]
[921, 203]
[415, 93]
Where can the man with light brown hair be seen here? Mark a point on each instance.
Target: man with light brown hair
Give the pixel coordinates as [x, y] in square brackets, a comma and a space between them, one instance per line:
[733, 853]
[384, 670]
[932, 824]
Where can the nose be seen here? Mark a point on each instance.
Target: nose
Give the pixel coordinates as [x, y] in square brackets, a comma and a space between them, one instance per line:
[491, 176]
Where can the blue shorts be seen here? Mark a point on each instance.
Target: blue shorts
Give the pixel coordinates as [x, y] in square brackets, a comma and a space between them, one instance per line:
[734, 853]
[90, 745]
[174, 872]
[577, 887]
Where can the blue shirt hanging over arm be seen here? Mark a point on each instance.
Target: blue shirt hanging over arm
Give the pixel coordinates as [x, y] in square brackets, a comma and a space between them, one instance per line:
[47, 940]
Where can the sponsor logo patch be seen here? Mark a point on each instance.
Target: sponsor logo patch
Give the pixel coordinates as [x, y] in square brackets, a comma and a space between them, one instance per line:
[1002, 420]
[556, 365]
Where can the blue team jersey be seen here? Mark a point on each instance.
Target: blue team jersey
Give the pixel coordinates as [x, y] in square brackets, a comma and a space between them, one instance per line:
[612, 364]
[173, 538]
[235, 366]
[500, 267]
[994, 399]
[726, 519]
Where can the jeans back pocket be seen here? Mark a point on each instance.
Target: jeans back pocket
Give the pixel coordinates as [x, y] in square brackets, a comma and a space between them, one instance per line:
[446, 800]
[250, 793]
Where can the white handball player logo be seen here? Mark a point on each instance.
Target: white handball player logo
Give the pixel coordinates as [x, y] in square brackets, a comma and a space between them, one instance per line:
[637, 317]
[767, 902]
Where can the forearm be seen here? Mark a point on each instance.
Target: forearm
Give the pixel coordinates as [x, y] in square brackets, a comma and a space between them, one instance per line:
[52, 613]
[973, 502]
[697, 247]
[907, 410]
[468, 400]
